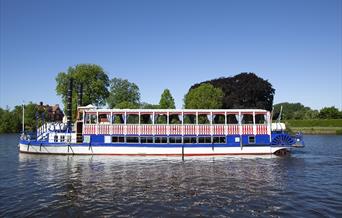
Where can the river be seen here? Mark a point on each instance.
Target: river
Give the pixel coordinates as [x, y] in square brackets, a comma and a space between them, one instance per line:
[308, 183]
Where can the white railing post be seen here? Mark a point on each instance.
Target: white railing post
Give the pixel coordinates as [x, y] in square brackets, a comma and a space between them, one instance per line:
[254, 125]
[225, 123]
[240, 123]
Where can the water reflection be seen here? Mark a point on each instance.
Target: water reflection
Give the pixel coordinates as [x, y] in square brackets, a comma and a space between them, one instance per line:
[101, 184]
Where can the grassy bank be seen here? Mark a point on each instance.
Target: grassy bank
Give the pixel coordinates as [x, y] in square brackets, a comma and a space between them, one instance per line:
[324, 127]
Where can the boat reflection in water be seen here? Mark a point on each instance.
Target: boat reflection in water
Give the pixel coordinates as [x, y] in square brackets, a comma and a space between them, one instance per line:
[136, 185]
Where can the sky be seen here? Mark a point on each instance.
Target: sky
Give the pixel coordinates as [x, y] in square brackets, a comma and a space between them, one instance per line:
[296, 45]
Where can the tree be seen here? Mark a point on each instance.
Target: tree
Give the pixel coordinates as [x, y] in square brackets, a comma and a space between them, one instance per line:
[166, 100]
[245, 90]
[205, 96]
[145, 105]
[295, 111]
[94, 80]
[123, 92]
[11, 120]
[330, 113]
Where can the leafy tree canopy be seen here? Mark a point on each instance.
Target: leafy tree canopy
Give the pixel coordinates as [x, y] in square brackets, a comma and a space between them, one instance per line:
[295, 111]
[330, 113]
[166, 100]
[11, 120]
[205, 96]
[145, 105]
[123, 93]
[94, 80]
[245, 90]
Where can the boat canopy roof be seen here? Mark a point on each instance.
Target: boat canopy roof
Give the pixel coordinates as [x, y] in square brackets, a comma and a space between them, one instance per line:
[208, 111]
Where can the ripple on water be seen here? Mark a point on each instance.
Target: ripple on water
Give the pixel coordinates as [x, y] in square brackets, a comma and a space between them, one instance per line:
[308, 183]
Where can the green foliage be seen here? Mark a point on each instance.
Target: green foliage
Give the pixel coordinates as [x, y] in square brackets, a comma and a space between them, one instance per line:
[166, 100]
[123, 94]
[127, 105]
[330, 113]
[145, 105]
[245, 90]
[295, 111]
[11, 120]
[315, 123]
[94, 80]
[205, 96]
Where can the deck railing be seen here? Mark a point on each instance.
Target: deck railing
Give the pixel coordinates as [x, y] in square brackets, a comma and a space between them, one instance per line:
[176, 129]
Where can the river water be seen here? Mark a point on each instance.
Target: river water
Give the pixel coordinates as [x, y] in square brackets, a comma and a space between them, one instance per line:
[306, 184]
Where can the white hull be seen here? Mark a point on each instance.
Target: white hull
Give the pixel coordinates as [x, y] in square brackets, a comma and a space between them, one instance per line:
[166, 151]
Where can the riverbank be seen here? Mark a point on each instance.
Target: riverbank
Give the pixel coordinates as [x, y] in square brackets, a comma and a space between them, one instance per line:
[316, 127]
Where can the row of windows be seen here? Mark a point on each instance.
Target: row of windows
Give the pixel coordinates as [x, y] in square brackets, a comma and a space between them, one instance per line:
[170, 140]
[174, 119]
[61, 138]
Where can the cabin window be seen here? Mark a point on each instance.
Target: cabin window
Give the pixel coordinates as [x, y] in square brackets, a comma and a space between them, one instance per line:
[189, 119]
[190, 140]
[175, 140]
[204, 119]
[204, 140]
[132, 119]
[118, 119]
[247, 119]
[218, 118]
[132, 139]
[146, 118]
[175, 119]
[219, 140]
[232, 119]
[160, 118]
[87, 118]
[146, 139]
[160, 140]
[104, 118]
[55, 138]
[62, 138]
[251, 139]
[93, 118]
[260, 119]
[118, 139]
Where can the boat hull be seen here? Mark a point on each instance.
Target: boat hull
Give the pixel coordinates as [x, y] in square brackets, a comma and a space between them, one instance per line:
[146, 150]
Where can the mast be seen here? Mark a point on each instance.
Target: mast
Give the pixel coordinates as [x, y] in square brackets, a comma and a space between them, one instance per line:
[23, 120]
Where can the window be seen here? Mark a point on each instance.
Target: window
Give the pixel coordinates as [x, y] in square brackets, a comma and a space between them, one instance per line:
[93, 118]
[232, 119]
[160, 139]
[260, 119]
[219, 140]
[175, 140]
[62, 138]
[146, 140]
[218, 118]
[204, 140]
[55, 138]
[247, 119]
[132, 139]
[190, 140]
[118, 139]
[251, 139]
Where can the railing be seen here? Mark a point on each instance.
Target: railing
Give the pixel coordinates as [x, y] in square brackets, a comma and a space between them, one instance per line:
[178, 129]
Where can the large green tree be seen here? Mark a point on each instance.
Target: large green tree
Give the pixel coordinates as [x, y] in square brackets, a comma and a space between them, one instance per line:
[166, 100]
[330, 113]
[205, 96]
[245, 90]
[94, 80]
[11, 120]
[295, 111]
[123, 94]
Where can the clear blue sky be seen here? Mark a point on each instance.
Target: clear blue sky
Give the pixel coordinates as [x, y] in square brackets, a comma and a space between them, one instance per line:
[296, 45]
